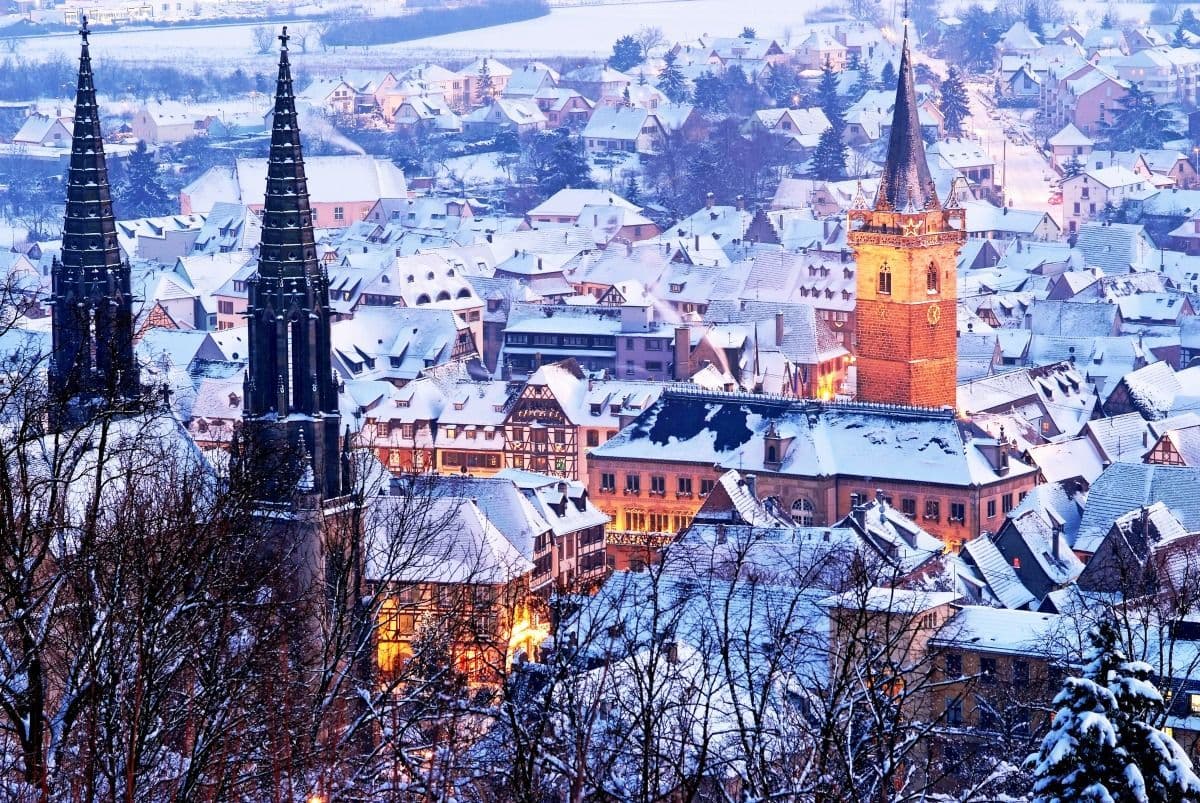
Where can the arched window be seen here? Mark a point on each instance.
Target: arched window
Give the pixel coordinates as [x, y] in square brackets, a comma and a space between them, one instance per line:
[931, 278]
[464, 293]
[771, 454]
[443, 296]
[885, 279]
[422, 299]
[802, 512]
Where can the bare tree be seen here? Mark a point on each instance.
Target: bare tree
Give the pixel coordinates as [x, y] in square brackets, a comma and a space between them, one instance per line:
[263, 37]
[648, 38]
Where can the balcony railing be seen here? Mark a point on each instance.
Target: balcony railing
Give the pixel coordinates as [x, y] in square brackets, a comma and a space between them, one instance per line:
[638, 538]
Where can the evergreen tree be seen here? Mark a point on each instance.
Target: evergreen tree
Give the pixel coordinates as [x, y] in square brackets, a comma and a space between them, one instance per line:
[710, 93]
[1033, 18]
[887, 77]
[1138, 122]
[483, 84]
[749, 33]
[780, 84]
[954, 104]
[631, 192]
[864, 84]
[671, 80]
[1080, 758]
[828, 98]
[567, 166]
[741, 95]
[138, 191]
[854, 63]
[1102, 745]
[1107, 20]
[829, 157]
[1187, 24]
[1072, 167]
[972, 44]
[1165, 769]
[627, 53]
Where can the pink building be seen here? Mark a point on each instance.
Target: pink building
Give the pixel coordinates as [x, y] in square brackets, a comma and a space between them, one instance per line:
[342, 189]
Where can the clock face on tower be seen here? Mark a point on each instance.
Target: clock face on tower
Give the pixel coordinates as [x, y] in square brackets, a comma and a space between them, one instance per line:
[933, 314]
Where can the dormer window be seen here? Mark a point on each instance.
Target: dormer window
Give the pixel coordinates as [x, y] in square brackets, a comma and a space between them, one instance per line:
[885, 279]
[234, 400]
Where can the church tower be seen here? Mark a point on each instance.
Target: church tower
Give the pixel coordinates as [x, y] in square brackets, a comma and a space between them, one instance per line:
[906, 247]
[92, 364]
[291, 419]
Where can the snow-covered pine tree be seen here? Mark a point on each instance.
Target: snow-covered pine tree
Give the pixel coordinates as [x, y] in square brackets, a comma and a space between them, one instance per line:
[828, 98]
[829, 157]
[1166, 772]
[483, 84]
[1081, 758]
[887, 77]
[137, 190]
[954, 106]
[1101, 746]
[671, 80]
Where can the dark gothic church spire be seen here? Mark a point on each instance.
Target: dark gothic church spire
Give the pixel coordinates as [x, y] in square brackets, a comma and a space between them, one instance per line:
[906, 185]
[92, 364]
[291, 407]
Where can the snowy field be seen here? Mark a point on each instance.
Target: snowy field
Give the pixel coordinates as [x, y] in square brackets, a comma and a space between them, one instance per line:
[576, 31]
[571, 31]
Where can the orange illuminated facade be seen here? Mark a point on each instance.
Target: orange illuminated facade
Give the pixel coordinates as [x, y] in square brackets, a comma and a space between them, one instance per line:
[906, 247]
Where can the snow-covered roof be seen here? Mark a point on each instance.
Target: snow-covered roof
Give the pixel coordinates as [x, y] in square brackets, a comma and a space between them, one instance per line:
[980, 629]
[1070, 137]
[818, 439]
[1123, 487]
[437, 540]
[331, 179]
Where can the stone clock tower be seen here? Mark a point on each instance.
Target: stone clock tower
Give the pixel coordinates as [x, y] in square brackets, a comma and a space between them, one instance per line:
[906, 247]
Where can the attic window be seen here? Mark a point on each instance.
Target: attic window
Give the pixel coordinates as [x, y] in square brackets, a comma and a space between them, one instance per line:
[234, 400]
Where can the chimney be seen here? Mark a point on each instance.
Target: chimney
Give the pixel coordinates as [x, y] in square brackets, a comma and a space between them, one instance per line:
[741, 203]
[683, 353]
[697, 246]
[751, 484]
[778, 328]
[709, 201]
[1017, 564]
[880, 497]
[1055, 536]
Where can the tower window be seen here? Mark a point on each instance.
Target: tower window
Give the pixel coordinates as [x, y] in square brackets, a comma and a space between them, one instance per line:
[885, 279]
[931, 278]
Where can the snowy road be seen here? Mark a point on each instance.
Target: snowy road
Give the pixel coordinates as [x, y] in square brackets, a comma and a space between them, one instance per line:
[1022, 168]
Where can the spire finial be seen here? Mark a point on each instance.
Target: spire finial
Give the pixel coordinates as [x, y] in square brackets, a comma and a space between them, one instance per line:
[83, 29]
[283, 37]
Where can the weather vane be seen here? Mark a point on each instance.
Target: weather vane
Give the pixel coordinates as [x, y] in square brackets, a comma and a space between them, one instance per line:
[83, 29]
[283, 37]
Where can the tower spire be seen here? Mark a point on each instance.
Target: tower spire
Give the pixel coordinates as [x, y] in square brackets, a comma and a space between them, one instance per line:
[906, 184]
[92, 358]
[291, 399]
